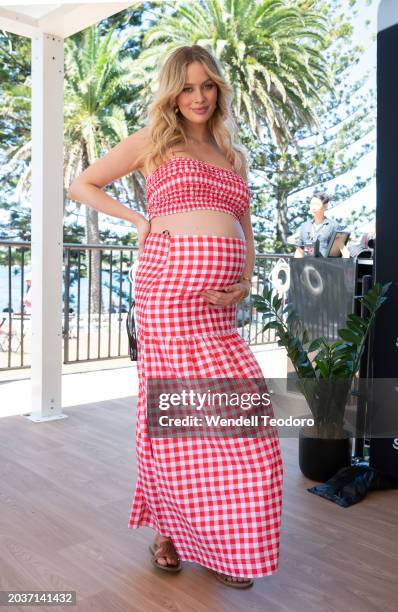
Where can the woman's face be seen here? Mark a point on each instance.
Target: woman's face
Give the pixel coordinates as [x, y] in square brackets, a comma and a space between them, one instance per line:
[198, 99]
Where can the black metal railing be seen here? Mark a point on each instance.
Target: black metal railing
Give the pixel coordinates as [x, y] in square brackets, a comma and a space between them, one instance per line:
[97, 293]
[14, 300]
[263, 267]
[97, 296]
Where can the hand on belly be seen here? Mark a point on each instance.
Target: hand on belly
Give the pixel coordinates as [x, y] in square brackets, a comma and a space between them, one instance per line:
[231, 294]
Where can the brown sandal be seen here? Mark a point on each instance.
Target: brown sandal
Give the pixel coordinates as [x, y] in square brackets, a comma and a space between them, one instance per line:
[165, 549]
[233, 583]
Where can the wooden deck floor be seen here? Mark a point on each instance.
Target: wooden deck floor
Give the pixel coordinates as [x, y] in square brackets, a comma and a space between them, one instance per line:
[66, 489]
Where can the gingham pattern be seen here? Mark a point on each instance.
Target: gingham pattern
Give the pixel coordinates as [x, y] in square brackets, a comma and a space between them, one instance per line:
[219, 499]
[183, 184]
[172, 272]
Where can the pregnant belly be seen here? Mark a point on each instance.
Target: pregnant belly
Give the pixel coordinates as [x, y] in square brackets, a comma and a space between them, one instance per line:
[198, 222]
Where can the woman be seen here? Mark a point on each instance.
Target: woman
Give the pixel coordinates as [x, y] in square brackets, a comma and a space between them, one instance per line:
[214, 501]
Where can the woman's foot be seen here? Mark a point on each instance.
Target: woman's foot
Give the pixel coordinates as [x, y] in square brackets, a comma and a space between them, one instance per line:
[171, 558]
[233, 580]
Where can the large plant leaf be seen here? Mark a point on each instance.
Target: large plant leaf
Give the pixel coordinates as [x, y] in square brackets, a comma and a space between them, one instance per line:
[271, 325]
[355, 322]
[315, 344]
[350, 336]
[322, 367]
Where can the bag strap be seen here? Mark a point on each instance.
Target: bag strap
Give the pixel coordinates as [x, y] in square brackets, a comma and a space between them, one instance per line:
[131, 333]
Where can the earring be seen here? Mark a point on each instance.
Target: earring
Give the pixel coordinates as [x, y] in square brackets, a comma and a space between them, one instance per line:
[176, 110]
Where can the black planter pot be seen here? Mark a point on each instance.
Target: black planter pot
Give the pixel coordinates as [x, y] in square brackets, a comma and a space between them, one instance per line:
[321, 458]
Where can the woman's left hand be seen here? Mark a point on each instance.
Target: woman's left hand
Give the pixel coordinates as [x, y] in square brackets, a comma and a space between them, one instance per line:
[231, 294]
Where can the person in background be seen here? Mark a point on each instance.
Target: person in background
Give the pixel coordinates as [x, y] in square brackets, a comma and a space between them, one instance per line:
[365, 241]
[319, 227]
[27, 300]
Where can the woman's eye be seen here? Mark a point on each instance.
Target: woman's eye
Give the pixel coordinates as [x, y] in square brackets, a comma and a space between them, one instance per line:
[207, 86]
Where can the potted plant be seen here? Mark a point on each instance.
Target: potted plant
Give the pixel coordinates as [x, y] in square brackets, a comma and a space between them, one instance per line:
[325, 379]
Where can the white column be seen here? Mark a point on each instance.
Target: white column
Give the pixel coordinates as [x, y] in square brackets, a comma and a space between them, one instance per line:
[47, 225]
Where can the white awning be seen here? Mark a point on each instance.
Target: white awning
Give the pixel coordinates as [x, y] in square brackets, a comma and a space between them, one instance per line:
[62, 19]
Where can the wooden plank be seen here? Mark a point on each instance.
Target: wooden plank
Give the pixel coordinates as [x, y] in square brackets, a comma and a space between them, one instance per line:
[64, 508]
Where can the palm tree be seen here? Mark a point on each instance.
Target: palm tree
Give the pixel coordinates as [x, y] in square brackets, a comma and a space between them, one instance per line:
[271, 53]
[96, 83]
[98, 91]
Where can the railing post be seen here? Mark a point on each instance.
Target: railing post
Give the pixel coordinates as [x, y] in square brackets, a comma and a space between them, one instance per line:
[66, 306]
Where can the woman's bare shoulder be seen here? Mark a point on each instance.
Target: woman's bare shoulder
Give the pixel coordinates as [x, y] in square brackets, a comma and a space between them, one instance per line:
[141, 140]
[138, 145]
[124, 158]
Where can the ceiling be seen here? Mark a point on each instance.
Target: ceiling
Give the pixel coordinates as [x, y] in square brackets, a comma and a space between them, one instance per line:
[32, 10]
[62, 19]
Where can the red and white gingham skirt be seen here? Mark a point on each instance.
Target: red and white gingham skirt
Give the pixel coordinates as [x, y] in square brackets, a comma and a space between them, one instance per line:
[219, 499]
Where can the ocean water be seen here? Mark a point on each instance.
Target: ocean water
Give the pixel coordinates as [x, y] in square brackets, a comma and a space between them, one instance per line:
[17, 295]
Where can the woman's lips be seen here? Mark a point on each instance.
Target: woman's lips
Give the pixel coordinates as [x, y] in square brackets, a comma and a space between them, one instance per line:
[200, 111]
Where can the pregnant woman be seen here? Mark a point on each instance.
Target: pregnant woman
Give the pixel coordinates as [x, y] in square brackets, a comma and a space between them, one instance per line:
[216, 501]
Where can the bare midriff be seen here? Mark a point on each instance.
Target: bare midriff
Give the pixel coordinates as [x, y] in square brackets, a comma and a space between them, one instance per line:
[198, 222]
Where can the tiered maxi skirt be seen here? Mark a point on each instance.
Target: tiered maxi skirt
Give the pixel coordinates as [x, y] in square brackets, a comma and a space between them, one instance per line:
[218, 498]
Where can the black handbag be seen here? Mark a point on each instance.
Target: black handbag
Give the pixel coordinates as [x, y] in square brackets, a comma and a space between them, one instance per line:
[131, 333]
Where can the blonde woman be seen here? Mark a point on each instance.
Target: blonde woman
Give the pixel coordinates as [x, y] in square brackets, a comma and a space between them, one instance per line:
[215, 501]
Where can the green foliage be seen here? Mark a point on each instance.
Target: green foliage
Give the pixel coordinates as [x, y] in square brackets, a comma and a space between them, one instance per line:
[100, 110]
[339, 359]
[315, 158]
[335, 364]
[293, 127]
[271, 53]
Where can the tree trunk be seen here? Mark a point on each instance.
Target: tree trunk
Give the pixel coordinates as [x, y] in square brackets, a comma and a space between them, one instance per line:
[93, 237]
[282, 227]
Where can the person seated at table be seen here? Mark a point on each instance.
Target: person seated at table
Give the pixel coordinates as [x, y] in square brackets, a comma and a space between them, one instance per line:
[366, 241]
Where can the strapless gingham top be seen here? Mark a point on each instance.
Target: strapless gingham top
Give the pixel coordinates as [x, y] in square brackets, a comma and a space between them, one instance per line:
[184, 184]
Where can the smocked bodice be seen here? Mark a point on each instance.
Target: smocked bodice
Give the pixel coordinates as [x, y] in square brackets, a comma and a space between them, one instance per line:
[184, 184]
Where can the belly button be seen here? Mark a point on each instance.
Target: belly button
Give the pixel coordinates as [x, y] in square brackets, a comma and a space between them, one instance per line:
[166, 231]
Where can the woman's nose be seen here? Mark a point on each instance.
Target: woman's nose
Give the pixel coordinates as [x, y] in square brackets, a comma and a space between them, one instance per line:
[199, 96]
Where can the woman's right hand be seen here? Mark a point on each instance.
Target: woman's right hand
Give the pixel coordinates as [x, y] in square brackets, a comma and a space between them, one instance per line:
[143, 229]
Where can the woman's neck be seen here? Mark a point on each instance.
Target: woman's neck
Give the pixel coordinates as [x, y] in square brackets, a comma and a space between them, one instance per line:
[199, 134]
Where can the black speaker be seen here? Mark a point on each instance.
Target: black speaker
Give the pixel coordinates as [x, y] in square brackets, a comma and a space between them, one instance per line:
[322, 291]
[385, 349]
[384, 455]
[384, 451]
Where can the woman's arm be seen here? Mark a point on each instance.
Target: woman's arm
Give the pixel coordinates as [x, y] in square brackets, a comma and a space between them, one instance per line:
[250, 249]
[123, 159]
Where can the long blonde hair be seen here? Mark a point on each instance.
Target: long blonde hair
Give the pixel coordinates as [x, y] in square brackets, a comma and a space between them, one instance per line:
[165, 128]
